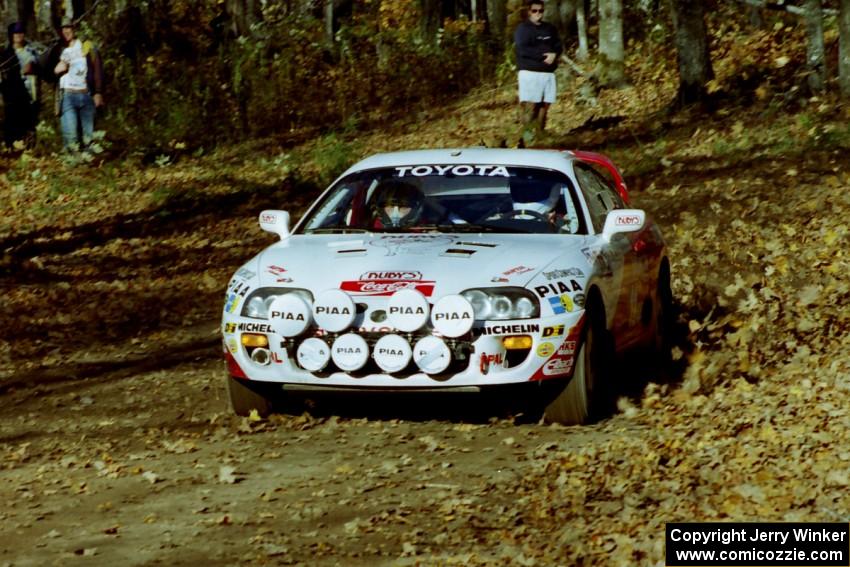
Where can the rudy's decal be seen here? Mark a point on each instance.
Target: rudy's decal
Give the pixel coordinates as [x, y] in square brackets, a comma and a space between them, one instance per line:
[456, 170]
[545, 349]
[403, 275]
[562, 274]
[555, 331]
[558, 288]
[627, 220]
[268, 218]
[561, 304]
[229, 328]
[507, 330]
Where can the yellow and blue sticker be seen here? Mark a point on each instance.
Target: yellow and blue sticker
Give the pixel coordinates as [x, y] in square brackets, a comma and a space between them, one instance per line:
[561, 304]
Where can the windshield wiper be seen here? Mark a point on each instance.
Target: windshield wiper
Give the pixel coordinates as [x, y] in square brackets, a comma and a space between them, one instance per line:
[465, 227]
[334, 230]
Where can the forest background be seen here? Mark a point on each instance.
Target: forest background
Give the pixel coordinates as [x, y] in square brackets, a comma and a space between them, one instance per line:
[201, 73]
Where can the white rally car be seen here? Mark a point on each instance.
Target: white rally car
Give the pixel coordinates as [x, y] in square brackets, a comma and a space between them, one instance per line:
[452, 270]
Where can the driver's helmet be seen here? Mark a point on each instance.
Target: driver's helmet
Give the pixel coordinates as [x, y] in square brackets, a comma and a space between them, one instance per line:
[398, 203]
[534, 196]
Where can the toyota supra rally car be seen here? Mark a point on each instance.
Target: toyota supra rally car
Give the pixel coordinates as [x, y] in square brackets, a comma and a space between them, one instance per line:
[452, 270]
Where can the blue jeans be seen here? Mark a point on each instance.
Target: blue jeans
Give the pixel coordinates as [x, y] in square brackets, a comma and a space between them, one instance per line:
[77, 118]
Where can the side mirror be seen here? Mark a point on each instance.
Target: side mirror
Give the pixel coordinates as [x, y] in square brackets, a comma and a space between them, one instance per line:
[623, 220]
[276, 222]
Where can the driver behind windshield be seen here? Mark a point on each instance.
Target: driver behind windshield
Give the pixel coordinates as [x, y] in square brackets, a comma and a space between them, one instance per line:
[398, 204]
[535, 201]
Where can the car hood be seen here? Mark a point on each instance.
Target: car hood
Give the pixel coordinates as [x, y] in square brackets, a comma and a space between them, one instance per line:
[435, 264]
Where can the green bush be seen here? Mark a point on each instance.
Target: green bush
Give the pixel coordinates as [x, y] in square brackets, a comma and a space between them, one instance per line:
[180, 77]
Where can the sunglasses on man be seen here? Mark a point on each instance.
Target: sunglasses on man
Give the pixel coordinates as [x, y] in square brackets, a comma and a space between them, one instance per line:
[536, 10]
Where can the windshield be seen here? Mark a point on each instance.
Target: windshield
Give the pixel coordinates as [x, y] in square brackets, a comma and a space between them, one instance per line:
[450, 198]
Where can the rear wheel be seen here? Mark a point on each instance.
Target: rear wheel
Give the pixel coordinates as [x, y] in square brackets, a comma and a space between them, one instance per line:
[588, 395]
[662, 321]
[246, 396]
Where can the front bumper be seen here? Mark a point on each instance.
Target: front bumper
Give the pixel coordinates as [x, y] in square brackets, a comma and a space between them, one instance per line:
[554, 344]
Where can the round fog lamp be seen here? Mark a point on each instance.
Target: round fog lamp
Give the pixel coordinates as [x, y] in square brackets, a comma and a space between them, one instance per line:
[392, 353]
[350, 352]
[431, 355]
[313, 354]
[333, 310]
[407, 310]
[289, 315]
[452, 316]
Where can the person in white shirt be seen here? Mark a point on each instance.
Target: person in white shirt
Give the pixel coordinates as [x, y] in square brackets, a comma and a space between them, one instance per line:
[80, 74]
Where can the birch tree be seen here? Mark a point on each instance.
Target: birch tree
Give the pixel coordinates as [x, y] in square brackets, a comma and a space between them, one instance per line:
[581, 25]
[815, 62]
[692, 54]
[497, 18]
[611, 70]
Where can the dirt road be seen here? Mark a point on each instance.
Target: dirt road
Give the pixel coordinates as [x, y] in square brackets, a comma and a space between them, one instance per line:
[118, 448]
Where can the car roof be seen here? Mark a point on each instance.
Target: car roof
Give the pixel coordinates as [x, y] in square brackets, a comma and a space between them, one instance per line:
[547, 159]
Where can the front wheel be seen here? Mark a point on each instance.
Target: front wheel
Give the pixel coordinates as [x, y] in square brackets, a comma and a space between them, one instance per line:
[246, 395]
[588, 395]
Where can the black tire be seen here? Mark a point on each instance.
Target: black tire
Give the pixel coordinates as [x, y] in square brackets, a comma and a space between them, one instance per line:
[662, 322]
[588, 395]
[246, 396]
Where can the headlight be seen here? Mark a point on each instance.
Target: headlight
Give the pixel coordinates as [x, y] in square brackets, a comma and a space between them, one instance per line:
[257, 304]
[502, 303]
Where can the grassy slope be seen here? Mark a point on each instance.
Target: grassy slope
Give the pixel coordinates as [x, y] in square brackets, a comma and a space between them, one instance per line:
[753, 202]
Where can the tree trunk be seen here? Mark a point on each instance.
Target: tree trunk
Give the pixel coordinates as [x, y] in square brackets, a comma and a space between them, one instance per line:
[844, 48]
[691, 50]
[329, 21]
[430, 21]
[245, 13]
[497, 18]
[612, 66]
[815, 62]
[566, 14]
[581, 24]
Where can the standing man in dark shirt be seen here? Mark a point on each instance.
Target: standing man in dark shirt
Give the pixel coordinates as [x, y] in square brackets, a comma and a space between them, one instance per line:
[538, 48]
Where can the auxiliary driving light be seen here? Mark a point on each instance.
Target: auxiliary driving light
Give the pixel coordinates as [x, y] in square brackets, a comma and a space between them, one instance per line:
[350, 352]
[407, 310]
[313, 354]
[517, 342]
[392, 353]
[254, 340]
[431, 355]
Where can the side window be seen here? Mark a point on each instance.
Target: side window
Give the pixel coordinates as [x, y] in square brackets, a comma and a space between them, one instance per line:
[601, 196]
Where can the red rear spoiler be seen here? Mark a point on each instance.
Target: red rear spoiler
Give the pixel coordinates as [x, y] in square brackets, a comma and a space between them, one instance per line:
[605, 161]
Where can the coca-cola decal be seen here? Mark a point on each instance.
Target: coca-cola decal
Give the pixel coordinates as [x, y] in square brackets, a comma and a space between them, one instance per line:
[388, 282]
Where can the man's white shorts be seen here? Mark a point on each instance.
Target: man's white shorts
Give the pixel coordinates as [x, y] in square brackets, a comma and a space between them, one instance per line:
[535, 86]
